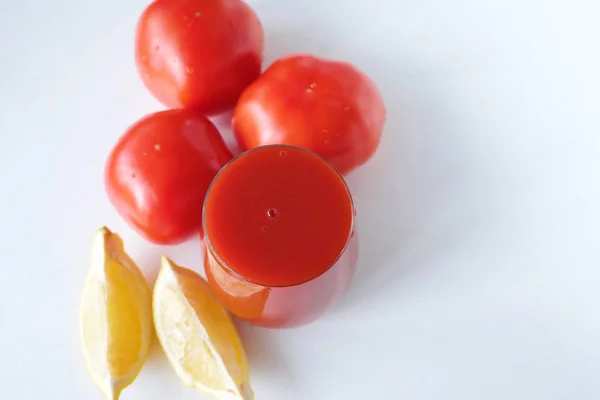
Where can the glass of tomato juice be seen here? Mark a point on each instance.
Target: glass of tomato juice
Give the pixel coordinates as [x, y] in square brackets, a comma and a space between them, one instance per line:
[280, 245]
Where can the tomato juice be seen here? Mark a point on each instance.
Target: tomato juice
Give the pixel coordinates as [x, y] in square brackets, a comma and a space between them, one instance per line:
[279, 234]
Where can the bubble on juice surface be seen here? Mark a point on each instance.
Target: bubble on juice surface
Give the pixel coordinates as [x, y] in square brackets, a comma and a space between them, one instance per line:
[272, 212]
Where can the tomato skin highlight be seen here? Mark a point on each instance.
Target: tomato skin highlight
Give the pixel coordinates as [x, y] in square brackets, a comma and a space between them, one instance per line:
[199, 54]
[157, 174]
[329, 107]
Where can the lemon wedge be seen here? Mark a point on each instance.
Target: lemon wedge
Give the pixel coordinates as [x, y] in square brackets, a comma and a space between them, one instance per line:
[116, 316]
[198, 335]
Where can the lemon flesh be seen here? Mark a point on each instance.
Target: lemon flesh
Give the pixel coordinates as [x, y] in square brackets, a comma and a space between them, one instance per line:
[116, 317]
[198, 335]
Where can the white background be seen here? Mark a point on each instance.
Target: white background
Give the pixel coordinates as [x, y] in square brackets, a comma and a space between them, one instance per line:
[479, 216]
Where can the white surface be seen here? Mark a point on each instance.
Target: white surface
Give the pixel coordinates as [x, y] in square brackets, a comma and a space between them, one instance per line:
[479, 216]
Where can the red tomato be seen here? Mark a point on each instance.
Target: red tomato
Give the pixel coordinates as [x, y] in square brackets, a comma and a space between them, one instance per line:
[326, 106]
[158, 173]
[199, 53]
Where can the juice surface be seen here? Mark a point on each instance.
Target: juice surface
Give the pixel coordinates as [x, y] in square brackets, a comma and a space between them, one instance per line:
[278, 216]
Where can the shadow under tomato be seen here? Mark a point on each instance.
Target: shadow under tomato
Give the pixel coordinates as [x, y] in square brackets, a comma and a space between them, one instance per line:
[404, 194]
[223, 124]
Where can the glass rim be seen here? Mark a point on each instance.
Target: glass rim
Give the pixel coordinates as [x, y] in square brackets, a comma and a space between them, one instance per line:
[229, 269]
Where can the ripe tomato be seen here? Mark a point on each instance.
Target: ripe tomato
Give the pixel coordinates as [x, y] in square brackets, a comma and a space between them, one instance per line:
[159, 171]
[199, 53]
[326, 106]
